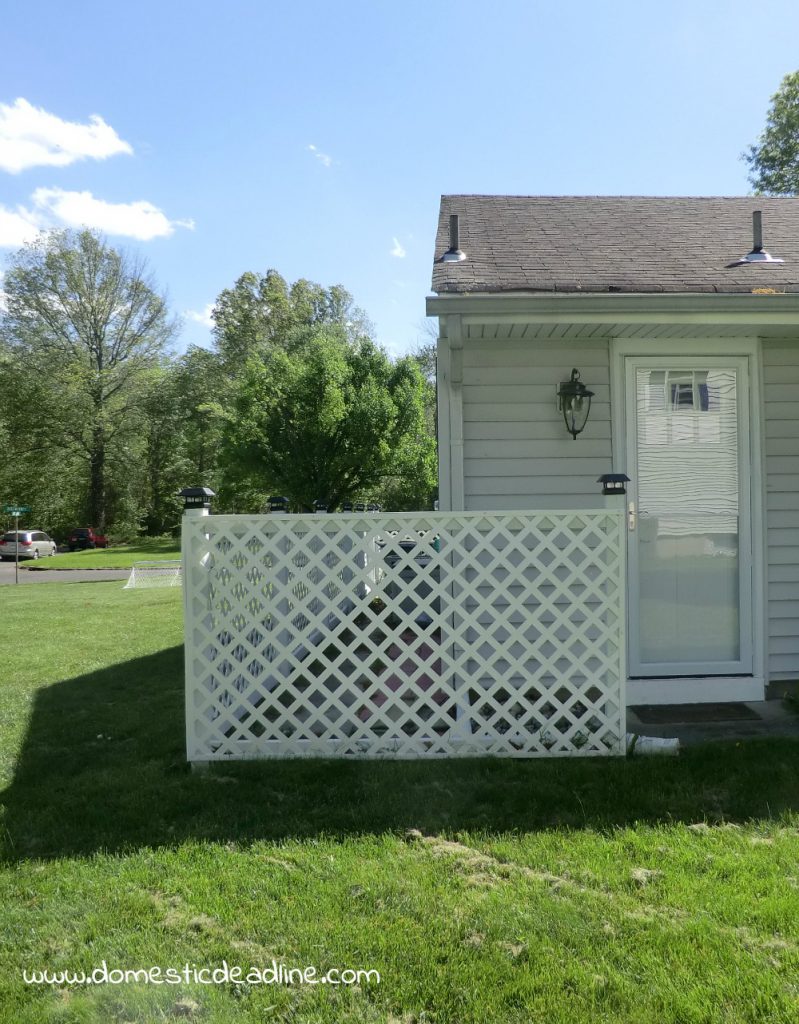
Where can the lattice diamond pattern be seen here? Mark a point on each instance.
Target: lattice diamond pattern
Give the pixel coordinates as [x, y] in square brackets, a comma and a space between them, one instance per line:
[410, 635]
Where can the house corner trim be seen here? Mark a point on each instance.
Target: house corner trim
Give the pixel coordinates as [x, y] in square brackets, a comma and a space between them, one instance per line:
[450, 414]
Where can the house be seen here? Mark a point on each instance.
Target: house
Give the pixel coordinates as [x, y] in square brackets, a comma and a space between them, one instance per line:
[681, 315]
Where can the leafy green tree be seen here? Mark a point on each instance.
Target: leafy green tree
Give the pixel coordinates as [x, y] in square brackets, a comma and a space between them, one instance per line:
[425, 356]
[262, 310]
[165, 457]
[200, 392]
[774, 159]
[85, 322]
[35, 469]
[331, 420]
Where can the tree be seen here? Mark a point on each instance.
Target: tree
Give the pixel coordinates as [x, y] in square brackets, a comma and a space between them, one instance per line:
[264, 310]
[35, 471]
[425, 355]
[426, 359]
[774, 159]
[84, 320]
[199, 392]
[331, 420]
[164, 435]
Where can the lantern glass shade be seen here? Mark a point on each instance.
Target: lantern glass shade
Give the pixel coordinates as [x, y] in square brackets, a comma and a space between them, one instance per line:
[574, 401]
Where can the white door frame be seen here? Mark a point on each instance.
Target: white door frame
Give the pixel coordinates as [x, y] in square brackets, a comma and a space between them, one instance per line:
[711, 688]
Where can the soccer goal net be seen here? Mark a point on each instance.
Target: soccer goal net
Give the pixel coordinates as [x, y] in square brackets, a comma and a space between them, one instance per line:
[166, 573]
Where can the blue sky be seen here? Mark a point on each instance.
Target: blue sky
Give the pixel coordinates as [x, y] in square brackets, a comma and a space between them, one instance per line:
[317, 138]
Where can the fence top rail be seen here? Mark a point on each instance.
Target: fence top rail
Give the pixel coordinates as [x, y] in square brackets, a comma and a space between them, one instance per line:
[351, 518]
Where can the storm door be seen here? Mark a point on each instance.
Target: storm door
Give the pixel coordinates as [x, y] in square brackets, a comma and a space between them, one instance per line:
[688, 517]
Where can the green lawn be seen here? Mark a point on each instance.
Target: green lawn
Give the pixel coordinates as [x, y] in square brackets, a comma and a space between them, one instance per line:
[482, 891]
[121, 556]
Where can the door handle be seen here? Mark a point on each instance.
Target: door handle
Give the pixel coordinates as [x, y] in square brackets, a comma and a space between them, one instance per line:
[631, 516]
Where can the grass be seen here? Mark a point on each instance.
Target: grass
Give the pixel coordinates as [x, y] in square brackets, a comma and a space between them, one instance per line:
[120, 556]
[482, 891]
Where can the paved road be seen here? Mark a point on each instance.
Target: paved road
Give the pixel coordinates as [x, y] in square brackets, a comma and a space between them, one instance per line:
[59, 575]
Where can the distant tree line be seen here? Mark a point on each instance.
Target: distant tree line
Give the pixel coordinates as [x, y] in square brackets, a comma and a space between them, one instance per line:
[101, 424]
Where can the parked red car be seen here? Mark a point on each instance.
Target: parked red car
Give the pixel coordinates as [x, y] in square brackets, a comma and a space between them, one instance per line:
[85, 537]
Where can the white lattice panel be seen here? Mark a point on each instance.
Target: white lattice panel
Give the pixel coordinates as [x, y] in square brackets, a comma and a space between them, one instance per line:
[409, 635]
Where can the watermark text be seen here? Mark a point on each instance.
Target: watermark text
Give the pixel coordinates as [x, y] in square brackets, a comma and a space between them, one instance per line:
[190, 974]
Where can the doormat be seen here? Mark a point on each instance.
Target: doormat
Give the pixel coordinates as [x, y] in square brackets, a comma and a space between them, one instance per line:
[688, 714]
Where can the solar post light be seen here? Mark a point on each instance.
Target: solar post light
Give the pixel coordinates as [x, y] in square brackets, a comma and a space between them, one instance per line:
[278, 505]
[613, 483]
[196, 498]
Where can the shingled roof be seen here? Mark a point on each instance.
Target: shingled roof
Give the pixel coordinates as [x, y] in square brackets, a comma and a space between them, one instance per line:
[615, 244]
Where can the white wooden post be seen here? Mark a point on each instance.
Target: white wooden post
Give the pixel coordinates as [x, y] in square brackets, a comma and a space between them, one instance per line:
[614, 491]
[190, 612]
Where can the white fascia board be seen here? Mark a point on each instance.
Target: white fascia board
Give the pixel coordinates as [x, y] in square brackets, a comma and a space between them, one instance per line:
[495, 307]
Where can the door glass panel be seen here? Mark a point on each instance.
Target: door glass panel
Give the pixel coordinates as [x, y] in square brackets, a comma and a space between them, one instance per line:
[688, 525]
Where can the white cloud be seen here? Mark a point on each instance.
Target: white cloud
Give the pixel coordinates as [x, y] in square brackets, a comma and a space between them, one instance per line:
[202, 317]
[17, 227]
[32, 137]
[140, 220]
[398, 250]
[323, 158]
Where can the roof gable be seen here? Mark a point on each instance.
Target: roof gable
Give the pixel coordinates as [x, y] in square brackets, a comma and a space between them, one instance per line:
[615, 244]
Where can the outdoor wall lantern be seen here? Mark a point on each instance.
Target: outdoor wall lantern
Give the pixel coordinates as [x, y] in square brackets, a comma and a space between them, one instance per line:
[574, 401]
[196, 497]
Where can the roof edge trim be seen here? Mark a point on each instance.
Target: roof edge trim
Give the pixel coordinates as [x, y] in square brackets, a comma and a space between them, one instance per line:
[622, 307]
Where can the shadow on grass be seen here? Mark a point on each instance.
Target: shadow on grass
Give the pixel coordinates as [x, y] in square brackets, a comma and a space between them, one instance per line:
[103, 768]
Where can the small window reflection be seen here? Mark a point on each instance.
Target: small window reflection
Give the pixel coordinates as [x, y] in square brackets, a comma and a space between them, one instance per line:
[686, 390]
[685, 406]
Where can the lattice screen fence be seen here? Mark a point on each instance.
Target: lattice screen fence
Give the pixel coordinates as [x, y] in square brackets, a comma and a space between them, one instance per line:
[409, 635]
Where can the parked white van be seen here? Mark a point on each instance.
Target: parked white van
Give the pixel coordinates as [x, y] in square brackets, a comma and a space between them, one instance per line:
[29, 543]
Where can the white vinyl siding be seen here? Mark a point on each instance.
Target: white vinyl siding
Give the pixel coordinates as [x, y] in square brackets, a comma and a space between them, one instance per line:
[781, 416]
[517, 453]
